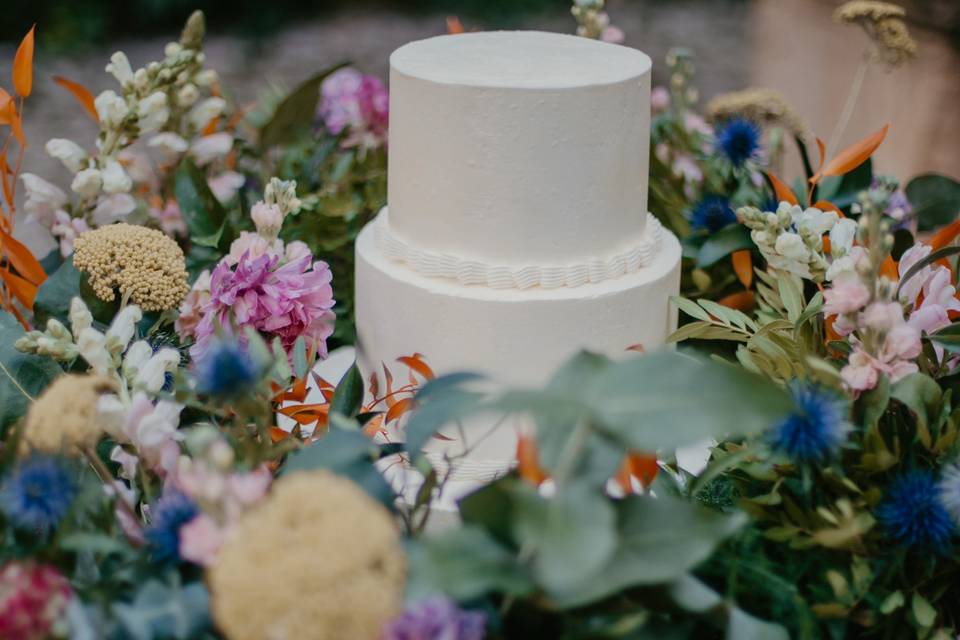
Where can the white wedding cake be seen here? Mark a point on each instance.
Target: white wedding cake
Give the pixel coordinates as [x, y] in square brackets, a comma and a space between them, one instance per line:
[516, 231]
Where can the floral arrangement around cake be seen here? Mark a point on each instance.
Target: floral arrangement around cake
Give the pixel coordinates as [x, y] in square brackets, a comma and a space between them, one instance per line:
[204, 265]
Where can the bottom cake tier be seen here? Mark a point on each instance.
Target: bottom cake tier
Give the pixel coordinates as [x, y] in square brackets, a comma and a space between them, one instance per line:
[516, 337]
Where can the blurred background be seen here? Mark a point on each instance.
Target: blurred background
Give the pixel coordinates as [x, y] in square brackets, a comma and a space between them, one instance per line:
[789, 45]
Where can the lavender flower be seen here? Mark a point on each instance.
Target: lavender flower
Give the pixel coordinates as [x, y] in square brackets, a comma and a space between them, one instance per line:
[437, 618]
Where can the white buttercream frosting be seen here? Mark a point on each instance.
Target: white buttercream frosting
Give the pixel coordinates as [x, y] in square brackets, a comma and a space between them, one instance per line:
[498, 276]
[519, 148]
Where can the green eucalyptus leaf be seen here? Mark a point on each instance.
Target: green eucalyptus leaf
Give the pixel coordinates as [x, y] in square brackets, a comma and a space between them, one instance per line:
[300, 357]
[23, 377]
[295, 115]
[948, 338]
[348, 396]
[348, 453]
[571, 534]
[659, 541]
[437, 410]
[203, 214]
[722, 243]
[923, 611]
[56, 292]
[935, 200]
[162, 611]
[463, 564]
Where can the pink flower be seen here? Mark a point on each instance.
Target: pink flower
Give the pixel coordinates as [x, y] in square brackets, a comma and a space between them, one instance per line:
[285, 300]
[859, 374]
[170, 219]
[248, 488]
[687, 168]
[33, 598]
[901, 343]
[192, 306]
[268, 219]
[613, 34]
[882, 316]
[225, 185]
[847, 295]
[66, 230]
[356, 103]
[200, 540]
[910, 289]
[659, 99]
[253, 245]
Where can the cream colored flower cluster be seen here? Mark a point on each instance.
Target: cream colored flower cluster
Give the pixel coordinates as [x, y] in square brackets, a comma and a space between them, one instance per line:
[270, 581]
[65, 418]
[885, 26]
[763, 106]
[146, 266]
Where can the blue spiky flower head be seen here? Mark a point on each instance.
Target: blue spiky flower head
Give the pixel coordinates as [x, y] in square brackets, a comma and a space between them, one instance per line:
[711, 214]
[738, 140]
[38, 493]
[816, 429]
[167, 515]
[912, 512]
[226, 369]
[950, 491]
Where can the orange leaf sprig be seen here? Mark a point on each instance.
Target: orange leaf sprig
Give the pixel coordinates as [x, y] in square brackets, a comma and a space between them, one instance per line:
[20, 272]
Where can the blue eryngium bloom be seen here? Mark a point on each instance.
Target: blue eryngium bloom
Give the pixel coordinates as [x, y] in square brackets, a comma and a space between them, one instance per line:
[818, 427]
[913, 513]
[167, 515]
[738, 140]
[950, 491]
[226, 369]
[38, 493]
[712, 214]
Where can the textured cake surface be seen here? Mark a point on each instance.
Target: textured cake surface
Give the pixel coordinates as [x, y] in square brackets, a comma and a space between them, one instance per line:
[519, 148]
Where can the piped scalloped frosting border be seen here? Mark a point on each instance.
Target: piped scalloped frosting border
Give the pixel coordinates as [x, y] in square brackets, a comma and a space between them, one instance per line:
[471, 272]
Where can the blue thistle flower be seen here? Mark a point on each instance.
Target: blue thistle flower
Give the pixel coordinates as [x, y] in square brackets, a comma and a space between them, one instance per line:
[38, 493]
[436, 617]
[738, 140]
[913, 514]
[950, 491]
[226, 369]
[167, 515]
[816, 430]
[711, 214]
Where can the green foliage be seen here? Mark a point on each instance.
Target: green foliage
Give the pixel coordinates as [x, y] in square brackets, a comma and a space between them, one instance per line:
[294, 116]
[935, 200]
[22, 377]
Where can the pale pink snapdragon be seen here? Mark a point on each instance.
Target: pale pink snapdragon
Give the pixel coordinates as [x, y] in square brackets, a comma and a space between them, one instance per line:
[847, 295]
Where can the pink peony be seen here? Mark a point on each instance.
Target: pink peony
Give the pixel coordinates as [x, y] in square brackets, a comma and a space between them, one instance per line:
[847, 295]
[285, 300]
[33, 599]
[253, 245]
[356, 103]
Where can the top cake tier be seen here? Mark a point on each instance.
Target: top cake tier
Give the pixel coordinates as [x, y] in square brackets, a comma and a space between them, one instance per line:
[519, 148]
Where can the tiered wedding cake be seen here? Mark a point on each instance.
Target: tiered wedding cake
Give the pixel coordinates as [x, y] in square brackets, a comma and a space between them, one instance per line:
[517, 231]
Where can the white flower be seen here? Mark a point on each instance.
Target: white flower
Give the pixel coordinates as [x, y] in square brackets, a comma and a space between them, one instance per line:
[111, 108]
[225, 185]
[814, 220]
[841, 237]
[282, 193]
[206, 77]
[43, 199]
[122, 328]
[135, 357]
[80, 316]
[87, 183]
[187, 95]
[140, 78]
[113, 207]
[152, 374]
[206, 111]
[73, 157]
[92, 346]
[115, 179]
[169, 143]
[846, 264]
[120, 68]
[113, 414]
[153, 112]
[209, 148]
[172, 49]
[149, 429]
[791, 246]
